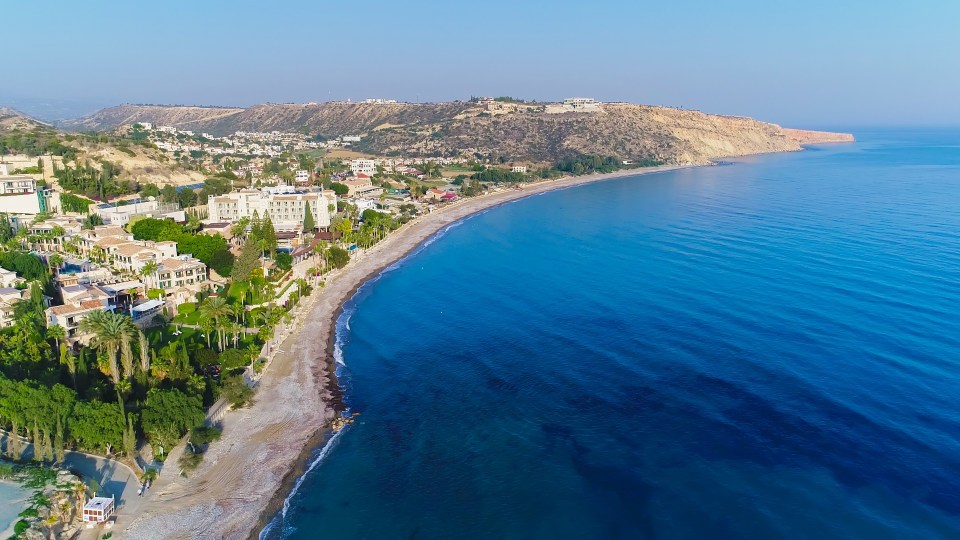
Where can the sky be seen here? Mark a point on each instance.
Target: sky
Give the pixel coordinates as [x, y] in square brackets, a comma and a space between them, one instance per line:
[813, 64]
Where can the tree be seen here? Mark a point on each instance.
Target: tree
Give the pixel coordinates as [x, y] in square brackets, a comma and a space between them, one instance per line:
[340, 189]
[93, 220]
[239, 229]
[320, 250]
[167, 415]
[55, 262]
[149, 269]
[284, 261]
[308, 224]
[216, 309]
[268, 236]
[247, 261]
[236, 391]
[112, 335]
[56, 333]
[338, 257]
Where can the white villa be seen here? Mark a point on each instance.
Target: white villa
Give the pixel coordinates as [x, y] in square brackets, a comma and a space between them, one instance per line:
[284, 208]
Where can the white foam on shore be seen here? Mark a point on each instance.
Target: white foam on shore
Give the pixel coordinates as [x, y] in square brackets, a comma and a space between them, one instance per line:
[280, 520]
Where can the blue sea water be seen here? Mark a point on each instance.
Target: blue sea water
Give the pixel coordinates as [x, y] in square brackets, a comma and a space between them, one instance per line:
[767, 349]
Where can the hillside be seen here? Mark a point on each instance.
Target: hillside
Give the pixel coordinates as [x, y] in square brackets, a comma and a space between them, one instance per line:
[505, 131]
[23, 140]
[182, 117]
[12, 119]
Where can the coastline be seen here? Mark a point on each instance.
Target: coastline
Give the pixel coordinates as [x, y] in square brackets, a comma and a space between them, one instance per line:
[265, 448]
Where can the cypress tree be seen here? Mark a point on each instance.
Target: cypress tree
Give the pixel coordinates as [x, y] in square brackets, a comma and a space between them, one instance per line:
[308, 224]
[247, 261]
[269, 236]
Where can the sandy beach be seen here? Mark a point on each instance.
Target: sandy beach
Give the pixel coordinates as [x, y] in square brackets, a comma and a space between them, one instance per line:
[245, 477]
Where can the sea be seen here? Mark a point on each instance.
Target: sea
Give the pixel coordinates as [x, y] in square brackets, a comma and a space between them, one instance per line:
[14, 500]
[766, 348]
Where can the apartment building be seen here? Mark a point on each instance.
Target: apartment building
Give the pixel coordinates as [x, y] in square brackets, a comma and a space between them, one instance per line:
[363, 166]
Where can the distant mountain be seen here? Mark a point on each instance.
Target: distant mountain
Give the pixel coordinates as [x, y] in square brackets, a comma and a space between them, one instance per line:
[12, 119]
[506, 131]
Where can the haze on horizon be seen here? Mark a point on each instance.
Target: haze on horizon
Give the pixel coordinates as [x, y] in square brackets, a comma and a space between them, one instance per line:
[815, 64]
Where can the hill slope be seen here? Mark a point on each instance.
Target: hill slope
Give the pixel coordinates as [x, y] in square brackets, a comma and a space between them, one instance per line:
[24, 139]
[512, 132]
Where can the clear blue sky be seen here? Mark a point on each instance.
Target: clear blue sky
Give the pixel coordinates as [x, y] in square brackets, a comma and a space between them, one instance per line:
[810, 64]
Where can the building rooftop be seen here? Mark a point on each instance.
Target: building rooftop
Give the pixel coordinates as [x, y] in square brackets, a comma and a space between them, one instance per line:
[98, 503]
[148, 305]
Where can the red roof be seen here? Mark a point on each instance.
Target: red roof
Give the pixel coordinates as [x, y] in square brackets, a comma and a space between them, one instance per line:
[361, 175]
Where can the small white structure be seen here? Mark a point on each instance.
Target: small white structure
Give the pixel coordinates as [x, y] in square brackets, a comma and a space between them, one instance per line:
[98, 510]
[519, 169]
[8, 279]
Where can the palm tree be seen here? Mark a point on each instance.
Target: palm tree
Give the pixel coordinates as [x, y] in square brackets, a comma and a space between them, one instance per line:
[216, 308]
[206, 325]
[112, 333]
[56, 333]
[144, 352]
[149, 269]
[239, 229]
[55, 262]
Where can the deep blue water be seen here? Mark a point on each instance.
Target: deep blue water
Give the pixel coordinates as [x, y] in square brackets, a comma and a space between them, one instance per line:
[768, 349]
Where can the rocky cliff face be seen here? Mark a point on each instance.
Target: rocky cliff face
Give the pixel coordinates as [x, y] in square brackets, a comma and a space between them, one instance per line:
[515, 132]
[804, 136]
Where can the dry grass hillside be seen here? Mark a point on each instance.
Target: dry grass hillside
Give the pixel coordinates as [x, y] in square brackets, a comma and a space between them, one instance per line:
[515, 132]
[182, 117]
[144, 164]
[11, 119]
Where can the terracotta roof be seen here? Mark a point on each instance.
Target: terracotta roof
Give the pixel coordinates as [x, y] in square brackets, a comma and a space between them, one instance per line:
[129, 250]
[176, 264]
[68, 309]
[110, 241]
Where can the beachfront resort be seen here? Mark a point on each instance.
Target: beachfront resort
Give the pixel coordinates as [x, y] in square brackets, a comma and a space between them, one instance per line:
[133, 323]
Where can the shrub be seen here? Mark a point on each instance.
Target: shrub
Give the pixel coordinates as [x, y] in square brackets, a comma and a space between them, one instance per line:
[205, 435]
[189, 461]
[236, 391]
[233, 358]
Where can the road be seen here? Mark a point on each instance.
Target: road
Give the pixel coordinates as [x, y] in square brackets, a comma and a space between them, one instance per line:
[115, 478]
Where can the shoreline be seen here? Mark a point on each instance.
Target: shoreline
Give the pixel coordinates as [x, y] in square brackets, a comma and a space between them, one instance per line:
[246, 477]
[321, 438]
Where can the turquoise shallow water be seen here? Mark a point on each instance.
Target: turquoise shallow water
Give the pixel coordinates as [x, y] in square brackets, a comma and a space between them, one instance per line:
[12, 502]
[767, 349]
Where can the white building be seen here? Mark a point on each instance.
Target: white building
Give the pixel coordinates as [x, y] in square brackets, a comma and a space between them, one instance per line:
[98, 510]
[8, 279]
[350, 138]
[361, 186]
[285, 208]
[19, 195]
[363, 166]
[519, 169]
[10, 185]
[178, 272]
[302, 177]
[579, 101]
[121, 214]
